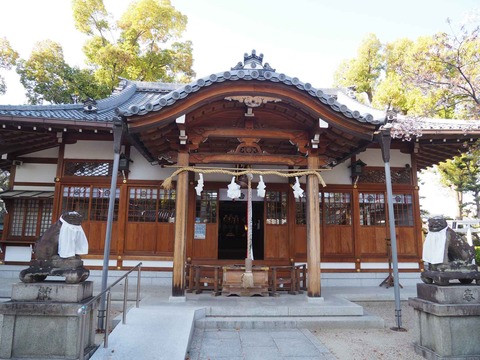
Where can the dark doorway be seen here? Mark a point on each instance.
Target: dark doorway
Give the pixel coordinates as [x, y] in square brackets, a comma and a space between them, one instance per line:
[232, 231]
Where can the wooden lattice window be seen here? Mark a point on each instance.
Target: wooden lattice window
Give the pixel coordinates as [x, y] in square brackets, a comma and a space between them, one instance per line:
[91, 202]
[46, 214]
[276, 202]
[88, 168]
[100, 202]
[372, 209]
[206, 207]
[30, 217]
[403, 209]
[151, 205]
[301, 210]
[377, 176]
[337, 208]
[166, 205]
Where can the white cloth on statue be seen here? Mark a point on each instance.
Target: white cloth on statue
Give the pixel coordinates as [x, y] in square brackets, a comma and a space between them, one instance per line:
[469, 236]
[71, 240]
[434, 246]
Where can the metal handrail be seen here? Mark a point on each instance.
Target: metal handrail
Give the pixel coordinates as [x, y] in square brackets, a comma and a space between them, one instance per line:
[85, 308]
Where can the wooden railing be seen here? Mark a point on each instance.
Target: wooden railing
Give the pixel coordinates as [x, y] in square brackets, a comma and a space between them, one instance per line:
[208, 278]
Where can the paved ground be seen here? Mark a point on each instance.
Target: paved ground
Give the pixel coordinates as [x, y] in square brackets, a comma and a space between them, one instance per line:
[252, 344]
[162, 329]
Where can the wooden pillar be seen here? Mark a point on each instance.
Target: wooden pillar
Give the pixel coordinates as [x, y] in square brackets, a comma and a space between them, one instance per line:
[57, 205]
[181, 206]
[417, 215]
[313, 231]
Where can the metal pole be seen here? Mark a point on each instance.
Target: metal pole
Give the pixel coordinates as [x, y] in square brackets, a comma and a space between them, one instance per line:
[138, 286]
[117, 139]
[393, 236]
[385, 139]
[125, 298]
[107, 323]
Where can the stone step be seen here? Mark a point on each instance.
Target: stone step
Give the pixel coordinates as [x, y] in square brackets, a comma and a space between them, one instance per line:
[291, 322]
[289, 305]
[346, 308]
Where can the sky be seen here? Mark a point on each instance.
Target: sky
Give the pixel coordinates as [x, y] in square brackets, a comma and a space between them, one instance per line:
[304, 38]
[307, 39]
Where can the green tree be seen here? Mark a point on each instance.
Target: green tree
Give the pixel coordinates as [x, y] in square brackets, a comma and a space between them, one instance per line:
[8, 58]
[434, 76]
[462, 174]
[140, 46]
[47, 77]
[364, 71]
[448, 67]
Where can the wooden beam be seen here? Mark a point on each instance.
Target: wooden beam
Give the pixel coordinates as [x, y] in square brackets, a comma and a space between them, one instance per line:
[292, 160]
[181, 206]
[313, 231]
[258, 133]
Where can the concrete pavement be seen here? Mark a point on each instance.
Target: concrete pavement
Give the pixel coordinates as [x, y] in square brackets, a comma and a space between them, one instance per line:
[207, 327]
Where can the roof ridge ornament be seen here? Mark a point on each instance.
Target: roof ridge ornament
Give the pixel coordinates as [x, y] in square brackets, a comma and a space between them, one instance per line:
[252, 61]
[90, 105]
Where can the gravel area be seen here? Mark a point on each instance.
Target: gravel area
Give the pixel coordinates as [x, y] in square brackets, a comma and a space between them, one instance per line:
[369, 344]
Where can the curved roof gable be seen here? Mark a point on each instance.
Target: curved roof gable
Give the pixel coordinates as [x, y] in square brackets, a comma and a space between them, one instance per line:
[252, 69]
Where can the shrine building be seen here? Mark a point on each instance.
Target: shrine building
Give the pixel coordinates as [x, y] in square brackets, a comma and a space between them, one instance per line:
[250, 118]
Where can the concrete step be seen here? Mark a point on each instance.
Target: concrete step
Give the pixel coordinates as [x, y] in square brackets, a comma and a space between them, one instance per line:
[333, 306]
[291, 322]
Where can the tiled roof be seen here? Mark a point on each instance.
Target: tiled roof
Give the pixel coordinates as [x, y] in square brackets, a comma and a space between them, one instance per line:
[447, 124]
[139, 98]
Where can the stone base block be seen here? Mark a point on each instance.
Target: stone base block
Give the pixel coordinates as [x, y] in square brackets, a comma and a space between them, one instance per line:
[52, 291]
[448, 321]
[43, 321]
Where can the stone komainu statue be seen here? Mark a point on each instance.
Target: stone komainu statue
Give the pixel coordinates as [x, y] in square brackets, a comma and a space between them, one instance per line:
[57, 252]
[447, 255]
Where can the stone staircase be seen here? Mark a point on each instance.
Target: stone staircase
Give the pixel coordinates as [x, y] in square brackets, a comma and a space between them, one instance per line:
[290, 312]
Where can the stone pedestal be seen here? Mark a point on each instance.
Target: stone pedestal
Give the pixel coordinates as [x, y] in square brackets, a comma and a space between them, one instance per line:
[41, 321]
[448, 321]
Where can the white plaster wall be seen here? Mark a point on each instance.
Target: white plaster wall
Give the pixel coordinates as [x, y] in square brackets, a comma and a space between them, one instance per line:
[141, 169]
[48, 153]
[340, 174]
[35, 172]
[102, 150]
[34, 188]
[373, 157]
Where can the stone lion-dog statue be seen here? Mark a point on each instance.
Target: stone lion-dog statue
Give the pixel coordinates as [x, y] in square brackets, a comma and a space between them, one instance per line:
[57, 252]
[447, 255]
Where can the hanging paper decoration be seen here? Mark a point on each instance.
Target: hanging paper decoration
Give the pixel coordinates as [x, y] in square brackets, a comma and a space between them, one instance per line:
[297, 190]
[261, 188]
[233, 191]
[199, 186]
